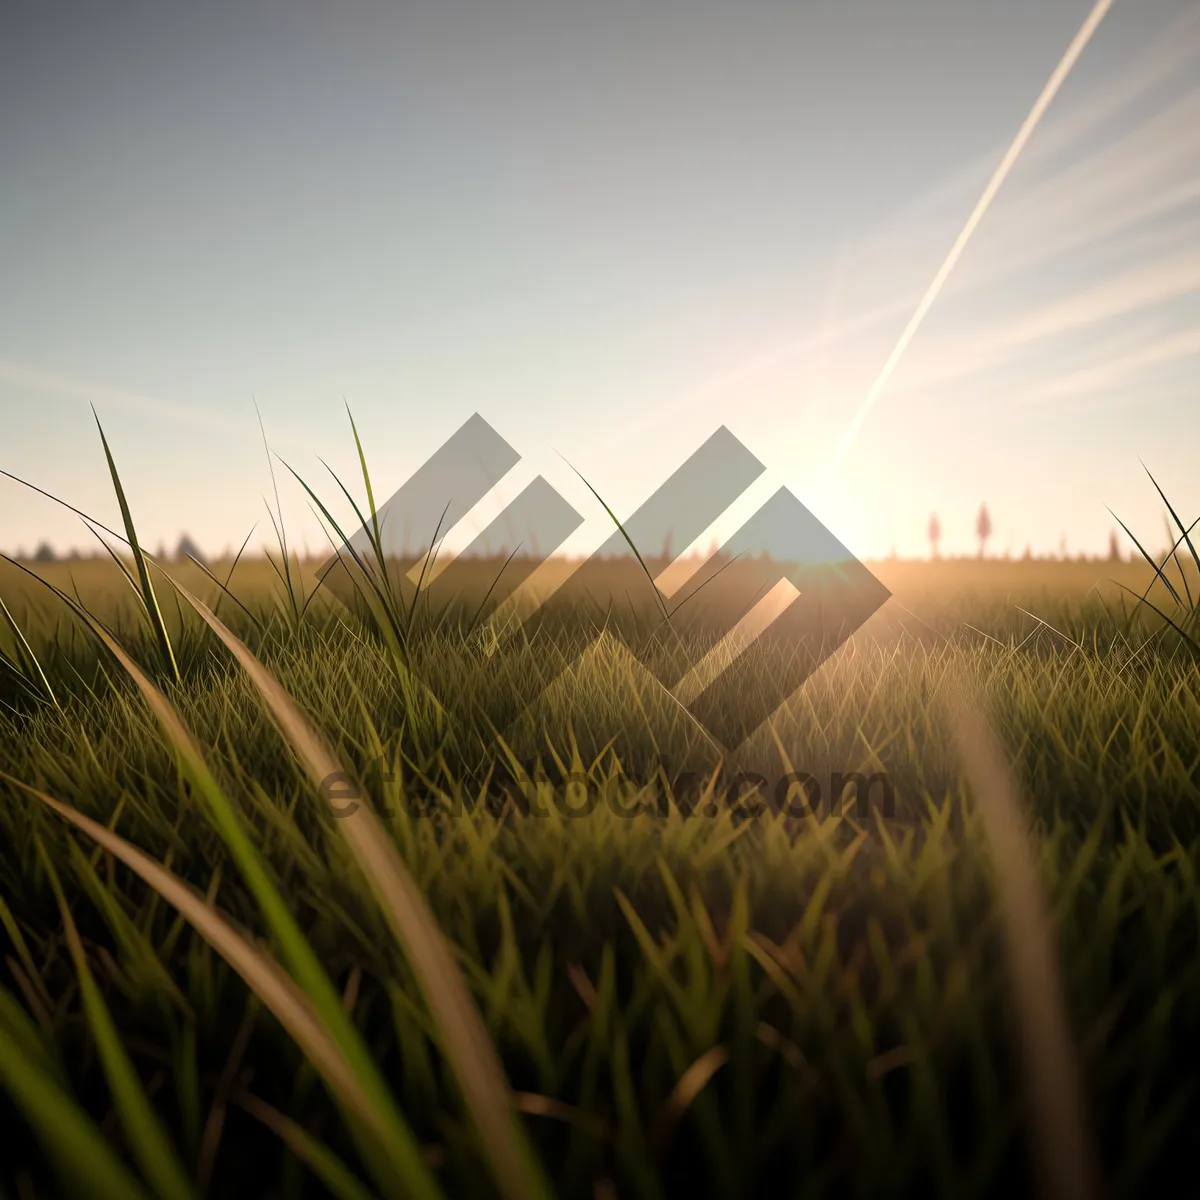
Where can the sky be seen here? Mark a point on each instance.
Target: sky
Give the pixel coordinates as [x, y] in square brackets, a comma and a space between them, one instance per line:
[608, 229]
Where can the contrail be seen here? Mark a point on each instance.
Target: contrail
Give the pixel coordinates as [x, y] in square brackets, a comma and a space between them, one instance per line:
[1074, 50]
[21, 375]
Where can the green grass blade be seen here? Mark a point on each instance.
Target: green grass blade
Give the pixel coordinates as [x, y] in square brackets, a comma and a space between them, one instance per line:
[273, 986]
[157, 624]
[237, 558]
[277, 523]
[397, 1139]
[1191, 641]
[1184, 531]
[464, 1037]
[147, 1138]
[1150, 559]
[629, 542]
[374, 531]
[368, 526]
[362, 459]
[385, 614]
[125, 573]
[32, 664]
[384, 1117]
[75, 1147]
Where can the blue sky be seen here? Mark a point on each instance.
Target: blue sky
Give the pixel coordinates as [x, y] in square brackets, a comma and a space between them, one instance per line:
[609, 230]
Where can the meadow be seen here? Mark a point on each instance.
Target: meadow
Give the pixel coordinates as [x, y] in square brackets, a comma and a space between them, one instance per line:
[212, 985]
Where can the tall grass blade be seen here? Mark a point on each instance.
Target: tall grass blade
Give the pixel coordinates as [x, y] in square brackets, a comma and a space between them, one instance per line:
[362, 459]
[1150, 559]
[387, 617]
[149, 599]
[331, 1171]
[386, 1122]
[265, 978]
[74, 1145]
[1058, 1122]
[1143, 602]
[464, 1037]
[32, 668]
[237, 558]
[629, 542]
[147, 1137]
[290, 585]
[397, 1138]
[1184, 532]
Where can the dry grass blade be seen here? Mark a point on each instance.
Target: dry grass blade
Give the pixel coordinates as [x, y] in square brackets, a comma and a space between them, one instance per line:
[262, 974]
[464, 1037]
[1059, 1126]
[332, 1172]
[536, 1105]
[691, 1083]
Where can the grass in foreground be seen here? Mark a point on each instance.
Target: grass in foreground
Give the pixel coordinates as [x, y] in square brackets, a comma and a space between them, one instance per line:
[214, 985]
[700, 1002]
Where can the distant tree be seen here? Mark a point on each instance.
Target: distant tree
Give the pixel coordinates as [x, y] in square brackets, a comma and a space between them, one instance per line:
[187, 549]
[934, 533]
[1062, 547]
[44, 553]
[1028, 555]
[1114, 547]
[983, 528]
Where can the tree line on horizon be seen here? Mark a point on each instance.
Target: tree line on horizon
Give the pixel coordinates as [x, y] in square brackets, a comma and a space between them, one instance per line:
[186, 548]
[983, 531]
[44, 552]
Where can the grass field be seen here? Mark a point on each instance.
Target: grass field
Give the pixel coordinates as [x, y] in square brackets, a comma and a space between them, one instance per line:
[472, 998]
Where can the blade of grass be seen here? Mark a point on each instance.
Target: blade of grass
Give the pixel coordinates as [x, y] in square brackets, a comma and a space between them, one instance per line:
[430, 556]
[362, 458]
[376, 531]
[1150, 559]
[398, 1140]
[387, 1123]
[149, 599]
[629, 541]
[394, 627]
[228, 578]
[74, 1145]
[330, 1169]
[1158, 612]
[1185, 532]
[147, 1138]
[280, 531]
[265, 978]
[464, 1036]
[1058, 1124]
[31, 663]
